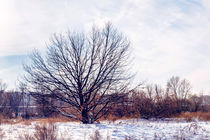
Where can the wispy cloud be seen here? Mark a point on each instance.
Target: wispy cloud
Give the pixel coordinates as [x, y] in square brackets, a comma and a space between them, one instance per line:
[168, 37]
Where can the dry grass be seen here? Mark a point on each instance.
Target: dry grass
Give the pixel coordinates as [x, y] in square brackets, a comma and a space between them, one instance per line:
[190, 116]
[96, 136]
[113, 118]
[39, 120]
[1, 134]
[129, 137]
[46, 131]
[53, 120]
[191, 131]
[1, 118]
[27, 137]
[20, 120]
[10, 121]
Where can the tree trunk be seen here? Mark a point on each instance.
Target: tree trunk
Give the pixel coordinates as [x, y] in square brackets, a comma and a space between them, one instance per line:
[85, 117]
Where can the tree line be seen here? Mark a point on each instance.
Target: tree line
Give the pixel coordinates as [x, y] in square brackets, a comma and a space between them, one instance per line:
[145, 101]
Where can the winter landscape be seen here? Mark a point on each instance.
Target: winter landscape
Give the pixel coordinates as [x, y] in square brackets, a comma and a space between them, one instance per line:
[133, 129]
[104, 70]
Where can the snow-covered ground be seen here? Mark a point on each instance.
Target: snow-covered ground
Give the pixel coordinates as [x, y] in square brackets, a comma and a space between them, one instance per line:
[134, 128]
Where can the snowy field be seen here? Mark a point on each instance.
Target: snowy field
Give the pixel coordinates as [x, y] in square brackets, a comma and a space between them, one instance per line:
[118, 130]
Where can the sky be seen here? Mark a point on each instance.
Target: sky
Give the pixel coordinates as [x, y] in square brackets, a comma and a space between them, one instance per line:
[168, 37]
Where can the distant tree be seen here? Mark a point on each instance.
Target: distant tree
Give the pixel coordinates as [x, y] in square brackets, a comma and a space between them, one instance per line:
[43, 105]
[3, 86]
[13, 102]
[179, 89]
[82, 75]
[196, 102]
[3, 102]
[154, 91]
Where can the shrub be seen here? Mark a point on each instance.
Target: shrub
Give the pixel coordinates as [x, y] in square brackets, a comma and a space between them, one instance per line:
[46, 131]
[96, 136]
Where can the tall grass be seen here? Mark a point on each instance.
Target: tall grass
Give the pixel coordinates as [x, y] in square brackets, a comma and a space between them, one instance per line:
[96, 136]
[46, 131]
[190, 116]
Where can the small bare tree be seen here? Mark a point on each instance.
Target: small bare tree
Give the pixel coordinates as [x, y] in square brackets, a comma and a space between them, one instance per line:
[81, 75]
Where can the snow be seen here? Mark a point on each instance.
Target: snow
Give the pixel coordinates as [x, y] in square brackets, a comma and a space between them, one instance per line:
[133, 128]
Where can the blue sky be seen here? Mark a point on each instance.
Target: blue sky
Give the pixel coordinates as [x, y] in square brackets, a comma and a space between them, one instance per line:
[169, 37]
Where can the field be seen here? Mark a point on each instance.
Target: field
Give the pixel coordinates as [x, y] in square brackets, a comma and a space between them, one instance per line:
[131, 129]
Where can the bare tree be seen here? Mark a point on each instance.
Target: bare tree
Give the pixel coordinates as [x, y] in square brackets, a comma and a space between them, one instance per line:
[3, 86]
[82, 75]
[13, 100]
[179, 89]
[196, 103]
[154, 91]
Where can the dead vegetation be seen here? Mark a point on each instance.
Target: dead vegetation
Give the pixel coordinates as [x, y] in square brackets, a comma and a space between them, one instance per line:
[192, 130]
[190, 116]
[1, 134]
[44, 131]
[96, 136]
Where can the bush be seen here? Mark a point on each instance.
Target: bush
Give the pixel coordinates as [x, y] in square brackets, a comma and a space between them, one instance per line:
[46, 131]
[153, 105]
[96, 136]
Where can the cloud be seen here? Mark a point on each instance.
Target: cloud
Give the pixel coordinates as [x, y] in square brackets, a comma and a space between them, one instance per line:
[168, 37]
[171, 39]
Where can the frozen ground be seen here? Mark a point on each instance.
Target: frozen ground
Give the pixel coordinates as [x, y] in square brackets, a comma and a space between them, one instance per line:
[134, 128]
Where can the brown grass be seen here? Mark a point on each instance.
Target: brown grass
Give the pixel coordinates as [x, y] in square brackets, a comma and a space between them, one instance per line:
[190, 116]
[45, 132]
[10, 121]
[53, 120]
[41, 120]
[113, 118]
